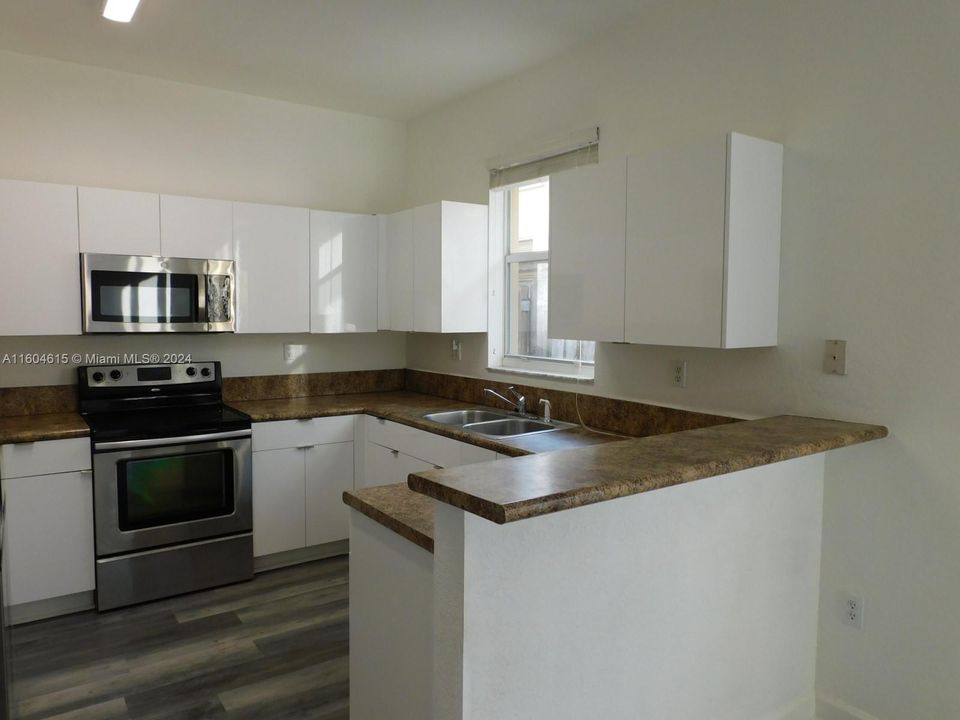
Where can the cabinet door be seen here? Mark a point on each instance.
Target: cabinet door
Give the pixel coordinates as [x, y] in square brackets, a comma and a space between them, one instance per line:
[343, 272]
[407, 465]
[279, 522]
[383, 277]
[39, 265]
[380, 466]
[675, 245]
[463, 267]
[48, 549]
[587, 246]
[120, 222]
[272, 251]
[329, 474]
[196, 228]
[399, 268]
[427, 222]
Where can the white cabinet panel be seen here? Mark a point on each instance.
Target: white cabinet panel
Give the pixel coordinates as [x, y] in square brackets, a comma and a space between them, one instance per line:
[272, 251]
[343, 272]
[196, 227]
[399, 263]
[387, 466]
[450, 267]
[300, 433]
[587, 247]
[329, 474]
[427, 257]
[703, 244]
[675, 220]
[44, 458]
[48, 550]
[119, 222]
[383, 278]
[279, 522]
[39, 248]
[435, 450]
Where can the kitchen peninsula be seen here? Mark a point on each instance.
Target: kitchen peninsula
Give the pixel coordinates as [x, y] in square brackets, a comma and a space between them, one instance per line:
[697, 600]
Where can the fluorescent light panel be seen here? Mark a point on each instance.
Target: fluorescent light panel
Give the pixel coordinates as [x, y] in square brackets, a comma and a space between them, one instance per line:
[120, 10]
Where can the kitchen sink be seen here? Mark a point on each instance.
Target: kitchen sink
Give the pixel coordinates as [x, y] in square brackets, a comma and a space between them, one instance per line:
[464, 417]
[494, 423]
[514, 426]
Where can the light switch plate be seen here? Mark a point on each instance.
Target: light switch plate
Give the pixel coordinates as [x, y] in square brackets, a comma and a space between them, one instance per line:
[835, 357]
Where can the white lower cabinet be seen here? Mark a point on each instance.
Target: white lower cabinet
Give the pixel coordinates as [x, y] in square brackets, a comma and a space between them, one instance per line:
[48, 545]
[300, 470]
[329, 474]
[386, 466]
[393, 451]
[279, 522]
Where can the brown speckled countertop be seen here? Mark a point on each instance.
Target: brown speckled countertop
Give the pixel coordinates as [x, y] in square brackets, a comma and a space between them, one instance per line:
[540, 484]
[48, 426]
[408, 408]
[397, 508]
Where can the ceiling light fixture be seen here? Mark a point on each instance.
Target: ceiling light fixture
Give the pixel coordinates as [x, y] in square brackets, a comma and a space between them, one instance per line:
[120, 10]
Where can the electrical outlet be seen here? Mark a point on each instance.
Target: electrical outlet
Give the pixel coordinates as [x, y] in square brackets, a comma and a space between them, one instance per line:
[680, 373]
[852, 611]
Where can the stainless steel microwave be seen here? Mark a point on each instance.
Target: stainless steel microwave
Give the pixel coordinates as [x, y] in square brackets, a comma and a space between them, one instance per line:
[131, 293]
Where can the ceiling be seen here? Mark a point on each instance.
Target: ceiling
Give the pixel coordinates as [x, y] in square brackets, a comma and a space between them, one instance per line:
[389, 58]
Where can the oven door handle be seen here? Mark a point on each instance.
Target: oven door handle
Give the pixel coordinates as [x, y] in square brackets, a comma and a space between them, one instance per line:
[161, 442]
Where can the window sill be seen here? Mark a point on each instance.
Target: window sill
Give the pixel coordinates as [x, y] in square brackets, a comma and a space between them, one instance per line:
[580, 379]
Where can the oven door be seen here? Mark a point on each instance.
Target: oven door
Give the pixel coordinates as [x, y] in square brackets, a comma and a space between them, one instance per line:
[152, 493]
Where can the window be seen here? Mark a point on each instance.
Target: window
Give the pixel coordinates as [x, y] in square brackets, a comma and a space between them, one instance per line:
[519, 263]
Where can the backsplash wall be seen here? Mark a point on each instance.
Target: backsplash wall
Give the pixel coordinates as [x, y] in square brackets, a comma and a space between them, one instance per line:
[239, 354]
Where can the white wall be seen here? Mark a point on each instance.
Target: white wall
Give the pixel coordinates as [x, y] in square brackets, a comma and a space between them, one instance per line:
[691, 602]
[67, 123]
[863, 95]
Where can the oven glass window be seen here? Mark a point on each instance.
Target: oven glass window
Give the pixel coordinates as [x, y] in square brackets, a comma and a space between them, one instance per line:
[178, 488]
[144, 297]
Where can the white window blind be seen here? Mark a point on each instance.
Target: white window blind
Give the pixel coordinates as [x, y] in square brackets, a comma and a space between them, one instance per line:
[582, 150]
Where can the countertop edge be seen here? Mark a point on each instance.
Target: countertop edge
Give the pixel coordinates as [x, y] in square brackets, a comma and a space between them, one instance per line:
[431, 483]
[355, 501]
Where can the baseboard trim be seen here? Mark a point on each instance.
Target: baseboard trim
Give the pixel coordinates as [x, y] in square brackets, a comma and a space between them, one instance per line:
[51, 607]
[300, 556]
[801, 709]
[830, 708]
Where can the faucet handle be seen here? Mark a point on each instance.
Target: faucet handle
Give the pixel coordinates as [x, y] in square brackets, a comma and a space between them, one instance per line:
[513, 390]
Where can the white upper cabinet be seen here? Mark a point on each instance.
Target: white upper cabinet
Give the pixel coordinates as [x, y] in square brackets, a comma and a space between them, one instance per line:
[703, 244]
[120, 222]
[587, 246]
[39, 249]
[450, 267]
[196, 228]
[272, 252]
[343, 272]
[396, 259]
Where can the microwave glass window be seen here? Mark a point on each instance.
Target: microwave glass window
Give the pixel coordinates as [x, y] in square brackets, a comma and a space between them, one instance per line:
[144, 297]
[178, 488]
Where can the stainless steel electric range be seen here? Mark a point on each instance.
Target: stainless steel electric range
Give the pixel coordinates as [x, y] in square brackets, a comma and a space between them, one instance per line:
[171, 481]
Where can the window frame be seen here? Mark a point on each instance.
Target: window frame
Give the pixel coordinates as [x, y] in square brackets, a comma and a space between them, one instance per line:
[498, 360]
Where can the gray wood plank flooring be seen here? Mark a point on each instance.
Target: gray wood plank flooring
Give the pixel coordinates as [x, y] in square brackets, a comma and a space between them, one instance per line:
[274, 648]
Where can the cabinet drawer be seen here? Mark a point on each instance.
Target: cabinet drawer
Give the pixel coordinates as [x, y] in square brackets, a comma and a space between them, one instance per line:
[299, 433]
[44, 458]
[434, 449]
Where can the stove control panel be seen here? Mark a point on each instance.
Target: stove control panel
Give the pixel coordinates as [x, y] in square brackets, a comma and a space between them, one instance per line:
[145, 375]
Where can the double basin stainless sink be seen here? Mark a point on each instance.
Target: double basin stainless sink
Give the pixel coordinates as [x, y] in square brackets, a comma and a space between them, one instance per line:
[494, 423]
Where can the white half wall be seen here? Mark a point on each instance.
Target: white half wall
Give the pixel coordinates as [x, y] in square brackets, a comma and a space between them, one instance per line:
[691, 602]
